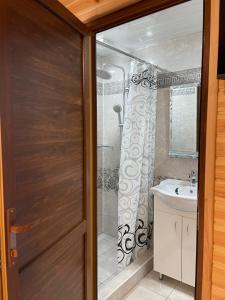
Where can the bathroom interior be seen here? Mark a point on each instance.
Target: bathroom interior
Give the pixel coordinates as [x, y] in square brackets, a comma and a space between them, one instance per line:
[148, 96]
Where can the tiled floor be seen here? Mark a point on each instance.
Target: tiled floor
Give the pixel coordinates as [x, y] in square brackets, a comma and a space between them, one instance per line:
[107, 258]
[151, 288]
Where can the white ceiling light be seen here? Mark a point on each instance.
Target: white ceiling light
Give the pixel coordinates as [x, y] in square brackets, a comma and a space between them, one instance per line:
[149, 34]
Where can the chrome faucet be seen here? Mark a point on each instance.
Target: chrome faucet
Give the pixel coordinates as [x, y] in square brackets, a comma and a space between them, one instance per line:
[193, 177]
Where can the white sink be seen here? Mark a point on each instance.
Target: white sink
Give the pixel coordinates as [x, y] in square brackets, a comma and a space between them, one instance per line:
[177, 194]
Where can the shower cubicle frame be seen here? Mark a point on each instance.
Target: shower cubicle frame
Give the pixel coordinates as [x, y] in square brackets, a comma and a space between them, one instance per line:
[127, 54]
[206, 136]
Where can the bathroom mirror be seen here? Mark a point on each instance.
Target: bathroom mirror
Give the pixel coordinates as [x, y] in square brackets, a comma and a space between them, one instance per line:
[183, 121]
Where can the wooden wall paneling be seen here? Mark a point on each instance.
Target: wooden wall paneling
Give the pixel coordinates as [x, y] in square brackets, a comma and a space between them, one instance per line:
[130, 13]
[90, 10]
[208, 144]
[62, 12]
[218, 265]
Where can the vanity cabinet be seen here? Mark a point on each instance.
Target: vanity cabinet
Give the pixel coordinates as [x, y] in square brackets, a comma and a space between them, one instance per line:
[189, 229]
[167, 244]
[174, 242]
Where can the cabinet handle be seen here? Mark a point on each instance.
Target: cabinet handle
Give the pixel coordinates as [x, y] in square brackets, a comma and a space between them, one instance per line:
[188, 228]
[175, 225]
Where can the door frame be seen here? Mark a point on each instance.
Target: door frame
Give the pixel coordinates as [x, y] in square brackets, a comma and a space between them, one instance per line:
[207, 136]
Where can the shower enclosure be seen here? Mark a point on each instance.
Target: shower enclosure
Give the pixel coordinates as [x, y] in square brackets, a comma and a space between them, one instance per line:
[111, 93]
[126, 110]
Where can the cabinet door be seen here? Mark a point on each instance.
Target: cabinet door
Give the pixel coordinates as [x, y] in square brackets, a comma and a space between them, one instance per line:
[167, 244]
[189, 251]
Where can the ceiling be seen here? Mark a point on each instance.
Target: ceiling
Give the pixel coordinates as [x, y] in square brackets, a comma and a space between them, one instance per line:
[89, 10]
[156, 29]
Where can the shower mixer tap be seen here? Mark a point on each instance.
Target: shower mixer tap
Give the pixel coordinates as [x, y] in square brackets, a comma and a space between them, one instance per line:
[193, 177]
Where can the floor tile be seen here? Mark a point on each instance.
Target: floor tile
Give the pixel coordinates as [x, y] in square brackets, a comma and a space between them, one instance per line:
[162, 287]
[107, 259]
[106, 243]
[149, 288]
[182, 292]
[141, 293]
[101, 237]
[101, 275]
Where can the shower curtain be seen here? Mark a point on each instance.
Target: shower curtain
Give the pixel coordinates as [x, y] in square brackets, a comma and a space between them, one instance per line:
[135, 206]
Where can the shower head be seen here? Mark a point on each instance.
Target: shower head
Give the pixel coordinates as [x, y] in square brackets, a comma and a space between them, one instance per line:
[103, 74]
[117, 108]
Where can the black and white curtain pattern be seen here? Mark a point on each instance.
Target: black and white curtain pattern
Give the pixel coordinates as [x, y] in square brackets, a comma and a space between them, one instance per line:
[135, 208]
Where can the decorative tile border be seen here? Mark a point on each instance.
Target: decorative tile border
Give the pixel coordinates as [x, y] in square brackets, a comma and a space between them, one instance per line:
[108, 179]
[179, 78]
[164, 80]
[183, 90]
[159, 179]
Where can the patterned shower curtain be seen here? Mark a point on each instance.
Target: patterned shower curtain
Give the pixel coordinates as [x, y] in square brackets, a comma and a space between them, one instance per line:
[135, 207]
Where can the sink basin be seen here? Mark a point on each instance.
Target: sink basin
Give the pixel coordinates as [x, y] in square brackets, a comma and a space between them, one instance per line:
[177, 194]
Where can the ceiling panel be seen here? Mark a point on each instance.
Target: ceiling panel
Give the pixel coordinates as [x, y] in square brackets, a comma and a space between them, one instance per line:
[89, 10]
[158, 28]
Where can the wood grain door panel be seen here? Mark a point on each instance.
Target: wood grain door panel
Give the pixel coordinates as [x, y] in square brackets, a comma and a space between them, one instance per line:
[43, 150]
[63, 266]
[47, 130]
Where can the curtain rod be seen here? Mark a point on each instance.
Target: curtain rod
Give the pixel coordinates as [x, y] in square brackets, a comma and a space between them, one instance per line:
[128, 54]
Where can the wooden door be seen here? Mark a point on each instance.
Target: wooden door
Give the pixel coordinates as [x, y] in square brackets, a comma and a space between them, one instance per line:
[167, 244]
[189, 236]
[43, 151]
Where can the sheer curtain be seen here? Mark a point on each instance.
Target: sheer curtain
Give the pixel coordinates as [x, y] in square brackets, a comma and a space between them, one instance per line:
[135, 208]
